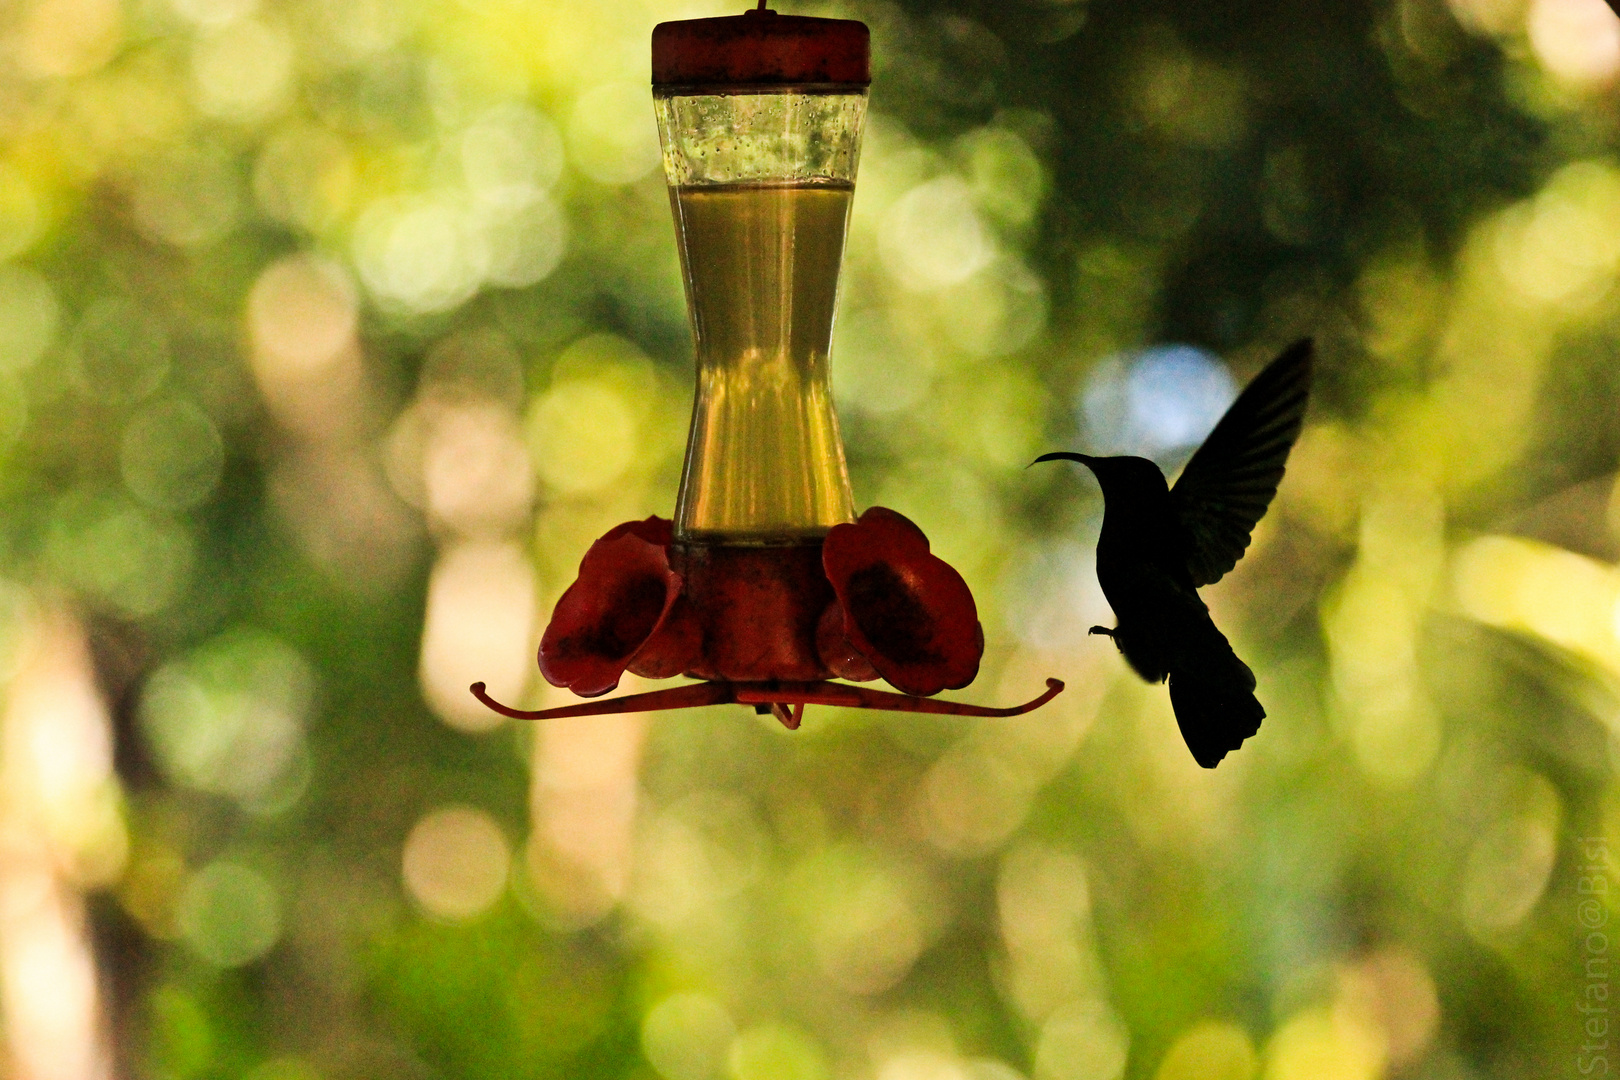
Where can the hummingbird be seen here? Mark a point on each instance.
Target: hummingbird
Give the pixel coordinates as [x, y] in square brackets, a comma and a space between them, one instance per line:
[1159, 544]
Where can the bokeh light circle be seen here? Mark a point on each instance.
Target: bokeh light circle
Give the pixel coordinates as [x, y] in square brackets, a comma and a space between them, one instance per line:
[933, 236]
[243, 72]
[776, 1052]
[1577, 40]
[171, 455]
[422, 254]
[686, 1037]
[22, 217]
[1156, 403]
[525, 243]
[1083, 1040]
[228, 718]
[583, 435]
[302, 314]
[612, 137]
[511, 155]
[120, 352]
[1210, 1050]
[479, 627]
[455, 862]
[29, 317]
[229, 914]
[135, 560]
[189, 196]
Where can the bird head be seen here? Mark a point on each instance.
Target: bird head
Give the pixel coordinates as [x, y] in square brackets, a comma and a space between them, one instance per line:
[1125, 477]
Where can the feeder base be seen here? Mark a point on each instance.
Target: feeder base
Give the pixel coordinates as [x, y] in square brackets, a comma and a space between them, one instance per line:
[785, 699]
[758, 606]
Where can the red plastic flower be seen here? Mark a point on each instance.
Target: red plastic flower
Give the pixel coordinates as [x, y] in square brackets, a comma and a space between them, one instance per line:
[624, 592]
[904, 609]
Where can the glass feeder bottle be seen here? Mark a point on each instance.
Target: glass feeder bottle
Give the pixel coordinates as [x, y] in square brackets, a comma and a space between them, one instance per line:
[760, 117]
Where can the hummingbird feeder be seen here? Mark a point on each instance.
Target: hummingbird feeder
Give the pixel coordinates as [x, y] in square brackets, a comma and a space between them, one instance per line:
[765, 585]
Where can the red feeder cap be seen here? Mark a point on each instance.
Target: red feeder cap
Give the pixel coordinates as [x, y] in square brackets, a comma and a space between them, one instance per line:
[761, 49]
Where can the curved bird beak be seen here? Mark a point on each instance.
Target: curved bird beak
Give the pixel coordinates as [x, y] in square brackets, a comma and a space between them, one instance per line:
[1062, 455]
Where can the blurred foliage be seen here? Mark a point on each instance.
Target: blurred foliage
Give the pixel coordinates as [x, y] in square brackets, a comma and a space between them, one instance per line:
[331, 333]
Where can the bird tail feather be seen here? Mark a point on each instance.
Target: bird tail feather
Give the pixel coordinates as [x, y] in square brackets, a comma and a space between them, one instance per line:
[1212, 693]
[1214, 718]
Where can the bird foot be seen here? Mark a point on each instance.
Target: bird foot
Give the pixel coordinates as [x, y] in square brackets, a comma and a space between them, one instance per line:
[1103, 630]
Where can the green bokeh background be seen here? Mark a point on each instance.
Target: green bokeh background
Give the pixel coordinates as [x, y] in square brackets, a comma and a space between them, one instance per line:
[331, 334]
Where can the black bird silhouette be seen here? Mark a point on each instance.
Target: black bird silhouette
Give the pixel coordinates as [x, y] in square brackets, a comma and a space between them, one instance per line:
[1160, 544]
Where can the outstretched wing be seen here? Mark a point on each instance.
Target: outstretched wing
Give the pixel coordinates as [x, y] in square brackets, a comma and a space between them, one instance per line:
[1229, 482]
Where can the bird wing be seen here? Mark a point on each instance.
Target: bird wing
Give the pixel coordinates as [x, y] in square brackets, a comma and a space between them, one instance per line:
[1226, 487]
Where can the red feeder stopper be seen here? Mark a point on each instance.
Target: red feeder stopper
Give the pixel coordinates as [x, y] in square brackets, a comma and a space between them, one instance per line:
[758, 49]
